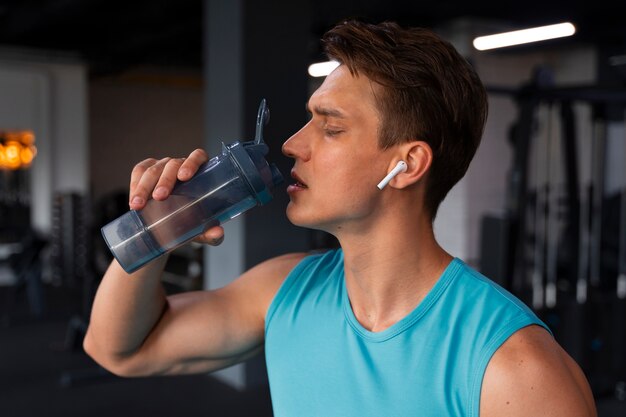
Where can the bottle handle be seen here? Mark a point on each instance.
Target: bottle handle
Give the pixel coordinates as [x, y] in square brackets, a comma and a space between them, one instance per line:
[262, 118]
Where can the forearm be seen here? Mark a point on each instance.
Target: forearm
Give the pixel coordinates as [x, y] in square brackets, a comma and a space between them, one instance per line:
[126, 308]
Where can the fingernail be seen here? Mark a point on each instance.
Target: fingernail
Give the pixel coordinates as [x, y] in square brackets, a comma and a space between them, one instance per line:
[160, 192]
[136, 201]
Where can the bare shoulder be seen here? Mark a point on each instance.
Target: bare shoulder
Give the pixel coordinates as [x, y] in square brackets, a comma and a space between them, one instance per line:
[261, 282]
[272, 271]
[531, 375]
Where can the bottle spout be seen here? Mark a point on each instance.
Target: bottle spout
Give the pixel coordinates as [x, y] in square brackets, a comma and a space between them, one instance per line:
[277, 177]
[262, 118]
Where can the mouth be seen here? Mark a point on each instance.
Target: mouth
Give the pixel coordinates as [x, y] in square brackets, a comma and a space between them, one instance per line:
[299, 183]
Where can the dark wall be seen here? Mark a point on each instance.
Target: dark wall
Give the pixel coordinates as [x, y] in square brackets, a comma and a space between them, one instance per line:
[275, 67]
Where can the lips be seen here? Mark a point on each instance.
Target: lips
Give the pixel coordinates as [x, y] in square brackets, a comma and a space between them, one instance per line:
[299, 183]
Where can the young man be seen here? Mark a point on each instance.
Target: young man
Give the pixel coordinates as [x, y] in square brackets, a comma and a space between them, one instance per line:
[390, 324]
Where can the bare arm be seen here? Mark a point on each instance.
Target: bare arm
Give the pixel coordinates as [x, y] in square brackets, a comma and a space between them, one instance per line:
[136, 330]
[531, 375]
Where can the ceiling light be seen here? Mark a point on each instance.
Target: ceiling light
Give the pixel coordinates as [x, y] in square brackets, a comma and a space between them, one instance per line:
[322, 69]
[519, 37]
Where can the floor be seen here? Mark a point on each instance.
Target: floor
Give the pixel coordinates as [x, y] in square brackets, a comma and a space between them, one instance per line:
[41, 375]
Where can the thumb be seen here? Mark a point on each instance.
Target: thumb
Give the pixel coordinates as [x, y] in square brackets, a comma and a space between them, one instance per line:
[212, 236]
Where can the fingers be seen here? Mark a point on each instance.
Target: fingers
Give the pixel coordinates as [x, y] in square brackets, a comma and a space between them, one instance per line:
[167, 179]
[138, 193]
[191, 163]
[144, 178]
[156, 178]
[213, 236]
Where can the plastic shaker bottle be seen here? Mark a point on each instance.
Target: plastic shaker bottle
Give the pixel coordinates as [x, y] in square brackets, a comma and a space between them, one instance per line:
[224, 187]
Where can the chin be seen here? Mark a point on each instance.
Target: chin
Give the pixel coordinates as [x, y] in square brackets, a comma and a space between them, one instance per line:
[307, 220]
[297, 219]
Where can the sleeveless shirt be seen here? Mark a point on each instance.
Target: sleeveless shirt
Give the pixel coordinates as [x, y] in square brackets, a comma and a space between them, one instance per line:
[322, 362]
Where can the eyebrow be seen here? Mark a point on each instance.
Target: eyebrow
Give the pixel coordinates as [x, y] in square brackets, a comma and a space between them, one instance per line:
[324, 111]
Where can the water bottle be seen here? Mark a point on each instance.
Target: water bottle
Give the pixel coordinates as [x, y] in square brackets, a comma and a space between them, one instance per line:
[224, 187]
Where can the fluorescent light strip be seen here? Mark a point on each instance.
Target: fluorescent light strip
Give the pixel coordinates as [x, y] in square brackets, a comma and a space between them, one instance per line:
[518, 37]
[322, 69]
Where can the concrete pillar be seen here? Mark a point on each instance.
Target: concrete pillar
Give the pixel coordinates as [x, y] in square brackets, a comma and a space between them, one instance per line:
[254, 50]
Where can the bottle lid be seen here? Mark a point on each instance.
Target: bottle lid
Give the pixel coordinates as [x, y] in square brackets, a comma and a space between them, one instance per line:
[249, 158]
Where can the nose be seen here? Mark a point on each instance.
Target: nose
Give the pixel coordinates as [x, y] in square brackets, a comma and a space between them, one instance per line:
[297, 146]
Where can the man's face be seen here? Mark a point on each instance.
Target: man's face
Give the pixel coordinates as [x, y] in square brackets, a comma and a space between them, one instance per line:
[337, 159]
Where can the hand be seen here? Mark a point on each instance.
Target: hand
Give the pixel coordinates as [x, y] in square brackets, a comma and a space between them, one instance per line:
[156, 178]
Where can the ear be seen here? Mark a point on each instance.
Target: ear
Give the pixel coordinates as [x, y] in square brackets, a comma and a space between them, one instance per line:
[418, 156]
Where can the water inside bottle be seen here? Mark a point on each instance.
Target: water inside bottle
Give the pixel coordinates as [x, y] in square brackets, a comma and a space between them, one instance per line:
[164, 225]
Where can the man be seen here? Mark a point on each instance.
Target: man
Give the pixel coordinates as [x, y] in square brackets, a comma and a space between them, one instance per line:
[390, 324]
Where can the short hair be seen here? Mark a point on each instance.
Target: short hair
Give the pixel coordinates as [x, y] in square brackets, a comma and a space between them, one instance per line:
[429, 93]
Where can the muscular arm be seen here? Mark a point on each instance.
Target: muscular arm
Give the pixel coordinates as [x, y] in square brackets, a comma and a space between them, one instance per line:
[136, 330]
[531, 375]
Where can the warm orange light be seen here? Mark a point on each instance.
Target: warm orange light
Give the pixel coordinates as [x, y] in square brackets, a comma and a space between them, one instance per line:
[17, 149]
[27, 154]
[27, 137]
[12, 155]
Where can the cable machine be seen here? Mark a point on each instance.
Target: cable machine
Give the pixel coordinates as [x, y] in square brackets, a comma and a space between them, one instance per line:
[563, 239]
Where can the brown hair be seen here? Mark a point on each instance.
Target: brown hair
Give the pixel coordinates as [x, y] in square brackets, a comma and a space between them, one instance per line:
[430, 93]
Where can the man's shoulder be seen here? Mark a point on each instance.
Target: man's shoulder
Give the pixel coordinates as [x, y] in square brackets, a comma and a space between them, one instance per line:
[530, 374]
[273, 270]
[266, 279]
[469, 292]
[285, 264]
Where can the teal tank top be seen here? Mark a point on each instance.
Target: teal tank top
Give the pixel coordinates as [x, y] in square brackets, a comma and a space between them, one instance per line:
[322, 362]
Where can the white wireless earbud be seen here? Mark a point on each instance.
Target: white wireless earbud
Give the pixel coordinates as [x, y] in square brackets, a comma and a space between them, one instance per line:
[400, 167]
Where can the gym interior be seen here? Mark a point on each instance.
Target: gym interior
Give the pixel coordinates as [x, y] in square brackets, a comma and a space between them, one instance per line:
[90, 88]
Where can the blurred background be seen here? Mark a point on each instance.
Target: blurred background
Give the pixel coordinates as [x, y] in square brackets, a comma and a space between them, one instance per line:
[88, 88]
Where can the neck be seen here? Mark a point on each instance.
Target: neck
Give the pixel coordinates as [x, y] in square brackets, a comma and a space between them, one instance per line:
[390, 268]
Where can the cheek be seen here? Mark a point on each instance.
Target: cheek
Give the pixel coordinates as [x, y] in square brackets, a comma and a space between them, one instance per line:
[345, 179]
[360, 178]
[348, 174]
[355, 189]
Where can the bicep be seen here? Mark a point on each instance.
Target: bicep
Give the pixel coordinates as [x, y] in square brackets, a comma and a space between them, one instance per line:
[203, 331]
[530, 374]
[199, 332]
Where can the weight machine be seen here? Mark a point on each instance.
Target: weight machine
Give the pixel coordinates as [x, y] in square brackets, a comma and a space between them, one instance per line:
[561, 246]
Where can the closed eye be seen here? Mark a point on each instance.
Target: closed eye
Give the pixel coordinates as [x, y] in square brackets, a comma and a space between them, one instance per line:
[332, 132]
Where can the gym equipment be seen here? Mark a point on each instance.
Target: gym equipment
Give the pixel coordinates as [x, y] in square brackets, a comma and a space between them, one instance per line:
[565, 236]
[619, 340]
